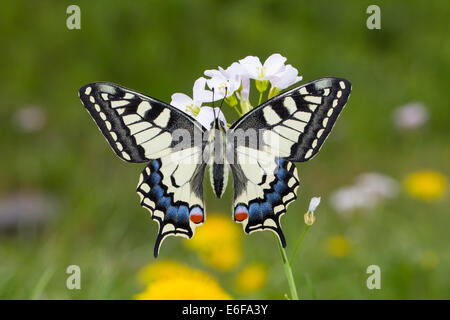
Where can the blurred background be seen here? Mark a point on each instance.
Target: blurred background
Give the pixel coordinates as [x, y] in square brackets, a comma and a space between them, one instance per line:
[66, 199]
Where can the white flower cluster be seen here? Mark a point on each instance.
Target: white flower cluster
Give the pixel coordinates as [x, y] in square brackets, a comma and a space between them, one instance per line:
[369, 189]
[233, 85]
[411, 116]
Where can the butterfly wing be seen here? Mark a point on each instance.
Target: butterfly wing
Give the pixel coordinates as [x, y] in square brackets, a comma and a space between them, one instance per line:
[264, 186]
[142, 129]
[171, 188]
[297, 122]
[290, 127]
[137, 127]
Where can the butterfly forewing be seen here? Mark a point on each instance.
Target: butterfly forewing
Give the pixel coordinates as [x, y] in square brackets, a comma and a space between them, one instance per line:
[295, 124]
[138, 128]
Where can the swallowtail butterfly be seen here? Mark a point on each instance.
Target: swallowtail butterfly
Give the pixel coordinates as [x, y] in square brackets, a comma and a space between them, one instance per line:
[290, 127]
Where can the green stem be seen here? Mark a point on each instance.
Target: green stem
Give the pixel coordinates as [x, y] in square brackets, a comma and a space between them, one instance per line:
[299, 241]
[238, 107]
[41, 284]
[237, 110]
[260, 98]
[288, 271]
[310, 287]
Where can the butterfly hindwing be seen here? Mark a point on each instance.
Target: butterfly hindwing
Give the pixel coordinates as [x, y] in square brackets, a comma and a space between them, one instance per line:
[264, 186]
[171, 188]
[295, 124]
[138, 128]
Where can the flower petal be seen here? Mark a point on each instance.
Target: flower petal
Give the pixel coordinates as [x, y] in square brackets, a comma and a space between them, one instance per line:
[284, 79]
[251, 65]
[199, 93]
[181, 101]
[207, 115]
[212, 73]
[411, 116]
[245, 92]
[235, 71]
[222, 81]
[199, 85]
[313, 204]
[274, 64]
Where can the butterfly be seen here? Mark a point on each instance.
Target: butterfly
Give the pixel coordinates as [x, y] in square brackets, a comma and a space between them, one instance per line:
[259, 149]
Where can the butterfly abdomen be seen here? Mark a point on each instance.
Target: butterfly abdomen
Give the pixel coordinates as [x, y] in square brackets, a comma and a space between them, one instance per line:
[218, 167]
[219, 173]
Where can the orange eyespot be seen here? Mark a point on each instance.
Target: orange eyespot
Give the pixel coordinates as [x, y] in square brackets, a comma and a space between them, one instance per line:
[240, 214]
[196, 216]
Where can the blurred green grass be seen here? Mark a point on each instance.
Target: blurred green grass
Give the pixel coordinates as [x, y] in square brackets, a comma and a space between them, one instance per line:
[161, 47]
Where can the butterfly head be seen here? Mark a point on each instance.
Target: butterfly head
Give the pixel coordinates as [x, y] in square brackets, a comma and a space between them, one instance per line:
[218, 123]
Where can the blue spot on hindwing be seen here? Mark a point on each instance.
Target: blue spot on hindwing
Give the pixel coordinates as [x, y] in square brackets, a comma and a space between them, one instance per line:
[155, 179]
[156, 193]
[282, 173]
[280, 187]
[155, 164]
[266, 208]
[272, 197]
[165, 202]
[255, 210]
[172, 212]
[183, 212]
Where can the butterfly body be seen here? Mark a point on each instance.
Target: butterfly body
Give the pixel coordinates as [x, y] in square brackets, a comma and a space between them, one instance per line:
[218, 168]
[259, 149]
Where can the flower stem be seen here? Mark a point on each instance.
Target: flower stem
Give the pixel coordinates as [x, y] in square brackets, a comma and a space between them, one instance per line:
[288, 271]
[260, 98]
[299, 241]
[237, 110]
[42, 284]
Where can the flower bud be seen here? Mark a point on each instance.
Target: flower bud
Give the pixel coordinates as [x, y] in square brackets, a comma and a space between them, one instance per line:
[273, 92]
[310, 218]
[246, 106]
[262, 85]
[231, 100]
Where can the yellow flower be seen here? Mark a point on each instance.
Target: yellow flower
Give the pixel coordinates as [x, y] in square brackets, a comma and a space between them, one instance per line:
[427, 185]
[179, 288]
[170, 280]
[218, 242]
[252, 278]
[223, 258]
[162, 270]
[338, 246]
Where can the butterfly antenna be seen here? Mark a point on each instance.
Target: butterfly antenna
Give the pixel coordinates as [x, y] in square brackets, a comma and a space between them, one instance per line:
[214, 110]
[216, 117]
[220, 106]
[226, 92]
